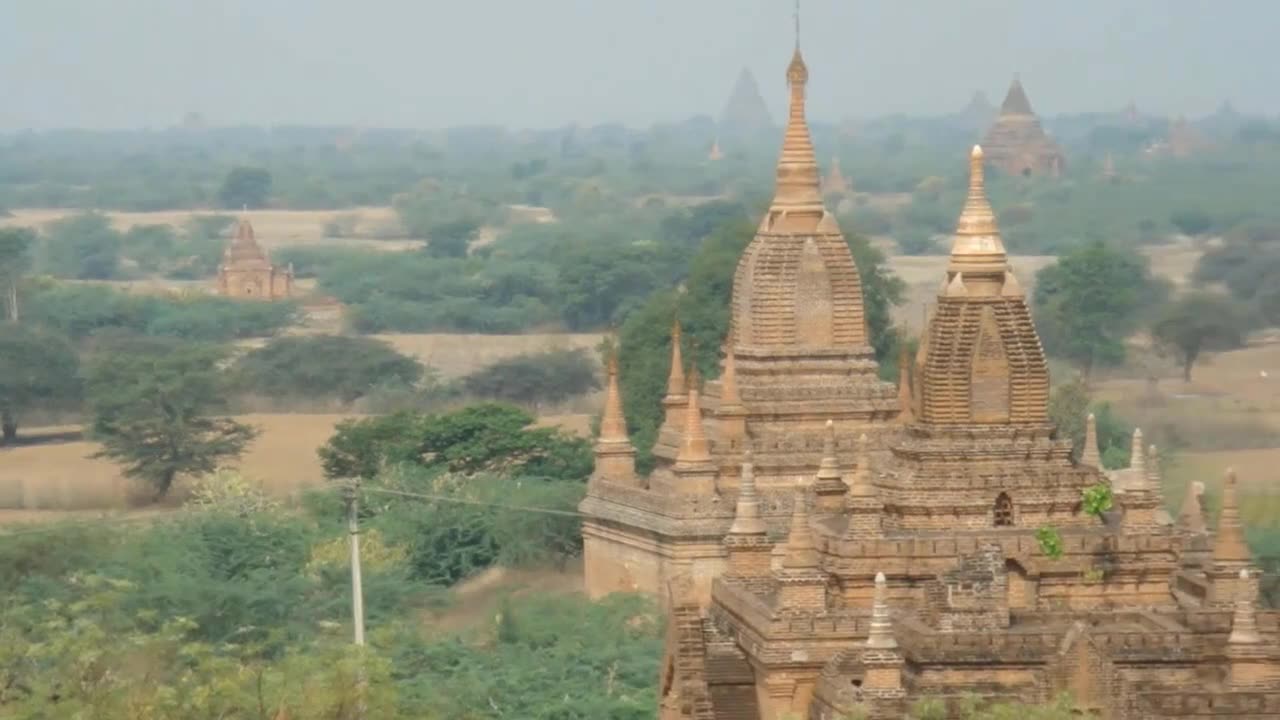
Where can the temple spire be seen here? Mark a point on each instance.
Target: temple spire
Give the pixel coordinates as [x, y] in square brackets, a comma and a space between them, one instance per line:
[746, 516]
[615, 456]
[1137, 457]
[828, 487]
[801, 552]
[1244, 622]
[880, 634]
[861, 485]
[694, 448]
[1089, 455]
[675, 380]
[1229, 546]
[613, 425]
[797, 201]
[1191, 515]
[977, 252]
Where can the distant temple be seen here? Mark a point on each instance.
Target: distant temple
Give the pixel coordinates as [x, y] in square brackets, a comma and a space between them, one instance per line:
[246, 271]
[828, 545]
[1016, 144]
[836, 183]
[745, 115]
[715, 153]
[979, 112]
[1182, 140]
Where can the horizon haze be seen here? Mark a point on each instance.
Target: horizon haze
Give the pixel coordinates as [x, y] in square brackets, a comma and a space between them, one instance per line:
[396, 63]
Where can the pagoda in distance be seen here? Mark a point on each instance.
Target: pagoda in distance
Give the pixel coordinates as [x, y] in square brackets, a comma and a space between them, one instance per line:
[1017, 144]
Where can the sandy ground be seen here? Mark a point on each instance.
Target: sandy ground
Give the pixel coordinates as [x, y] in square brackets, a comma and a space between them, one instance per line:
[60, 474]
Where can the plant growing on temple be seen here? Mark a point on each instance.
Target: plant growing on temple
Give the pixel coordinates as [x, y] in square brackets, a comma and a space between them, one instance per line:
[1050, 541]
[1097, 499]
[153, 404]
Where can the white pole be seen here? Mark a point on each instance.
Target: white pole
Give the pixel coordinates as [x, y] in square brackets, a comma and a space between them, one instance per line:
[357, 588]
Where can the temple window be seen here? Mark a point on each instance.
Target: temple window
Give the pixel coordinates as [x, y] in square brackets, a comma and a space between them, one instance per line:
[1003, 510]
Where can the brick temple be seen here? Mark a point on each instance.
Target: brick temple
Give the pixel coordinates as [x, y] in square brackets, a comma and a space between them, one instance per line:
[829, 545]
[246, 271]
[1017, 144]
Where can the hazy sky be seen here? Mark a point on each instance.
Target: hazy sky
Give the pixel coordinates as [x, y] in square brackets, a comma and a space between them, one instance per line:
[431, 63]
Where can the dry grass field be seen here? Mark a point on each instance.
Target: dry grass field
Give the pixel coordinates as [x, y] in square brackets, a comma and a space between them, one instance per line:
[458, 355]
[46, 479]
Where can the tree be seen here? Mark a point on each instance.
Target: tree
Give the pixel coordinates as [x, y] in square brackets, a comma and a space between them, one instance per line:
[320, 366]
[15, 260]
[245, 187]
[453, 238]
[151, 402]
[1069, 405]
[38, 370]
[81, 247]
[535, 378]
[1197, 323]
[1089, 301]
[479, 438]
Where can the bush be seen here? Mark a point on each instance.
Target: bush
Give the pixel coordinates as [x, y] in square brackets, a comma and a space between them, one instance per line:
[81, 247]
[79, 311]
[536, 378]
[324, 366]
[480, 438]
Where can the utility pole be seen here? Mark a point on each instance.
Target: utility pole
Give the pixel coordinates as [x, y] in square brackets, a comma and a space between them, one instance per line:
[357, 587]
[352, 493]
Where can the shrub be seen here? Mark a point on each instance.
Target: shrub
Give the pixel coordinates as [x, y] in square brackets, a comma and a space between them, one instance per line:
[324, 366]
[536, 378]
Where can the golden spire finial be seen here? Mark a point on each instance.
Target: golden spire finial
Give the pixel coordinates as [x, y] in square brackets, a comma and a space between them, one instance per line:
[977, 217]
[613, 424]
[797, 201]
[978, 252]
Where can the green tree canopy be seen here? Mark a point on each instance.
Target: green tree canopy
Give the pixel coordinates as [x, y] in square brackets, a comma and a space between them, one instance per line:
[39, 370]
[245, 187]
[535, 378]
[81, 247]
[152, 403]
[452, 238]
[479, 438]
[324, 366]
[15, 261]
[1090, 300]
[1199, 323]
